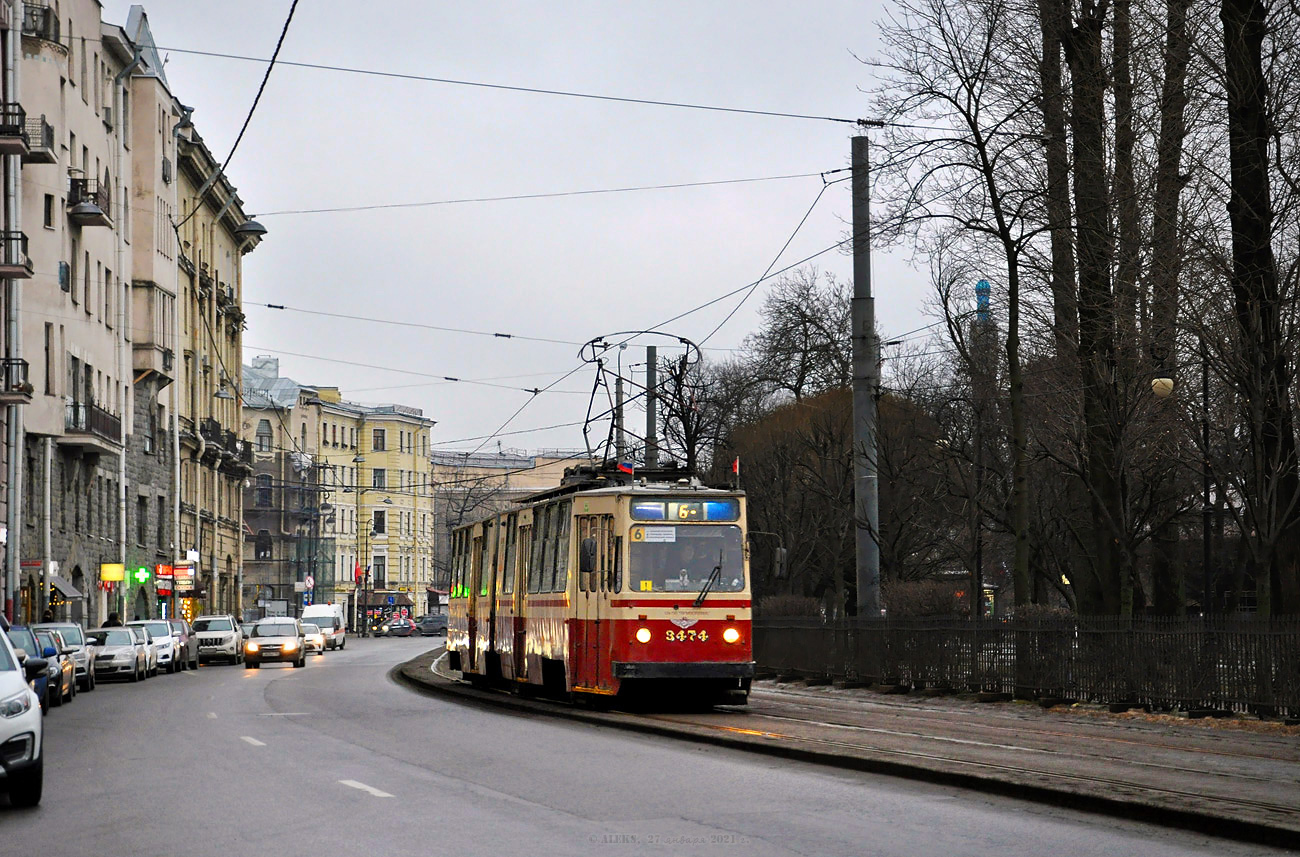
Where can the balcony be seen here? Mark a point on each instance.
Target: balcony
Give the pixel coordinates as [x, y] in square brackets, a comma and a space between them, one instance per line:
[210, 429]
[88, 203]
[13, 129]
[40, 142]
[90, 428]
[40, 22]
[153, 309]
[15, 389]
[15, 264]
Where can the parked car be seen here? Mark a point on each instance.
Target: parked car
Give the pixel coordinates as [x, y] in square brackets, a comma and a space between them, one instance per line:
[145, 641]
[24, 643]
[315, 640]
[62, 669]
[276, 639]
[75, 635]
[161, 632]
[118, 654]
[21, 729]
[220, 638]
[431, 624]
[187, 643]
[400, 628]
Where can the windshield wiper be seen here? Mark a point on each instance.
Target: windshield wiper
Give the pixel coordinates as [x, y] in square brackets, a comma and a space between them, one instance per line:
[708, 584]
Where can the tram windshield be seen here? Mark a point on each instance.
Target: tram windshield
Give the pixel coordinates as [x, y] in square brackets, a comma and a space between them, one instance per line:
[671, 558]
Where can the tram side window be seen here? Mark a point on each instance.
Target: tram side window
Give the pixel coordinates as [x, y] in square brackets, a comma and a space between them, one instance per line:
[618, 564]
[560, 548]
[485, 565]
[508, 568]
[457, 566]
[524, 553]
[539, 549]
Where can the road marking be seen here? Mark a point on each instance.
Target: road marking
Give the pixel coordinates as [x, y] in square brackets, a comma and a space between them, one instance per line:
[353, 784]
[253, 741]
[212, 715]
[284, 714]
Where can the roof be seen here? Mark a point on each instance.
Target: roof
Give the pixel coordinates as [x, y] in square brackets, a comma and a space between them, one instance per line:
[137, 30]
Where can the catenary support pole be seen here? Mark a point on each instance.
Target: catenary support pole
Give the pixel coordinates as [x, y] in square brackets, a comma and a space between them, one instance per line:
[866, 381]
[620, 440]
[651, 403]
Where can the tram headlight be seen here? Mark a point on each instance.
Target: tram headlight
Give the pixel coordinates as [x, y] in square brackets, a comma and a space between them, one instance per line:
[643, 635]
[731, 635]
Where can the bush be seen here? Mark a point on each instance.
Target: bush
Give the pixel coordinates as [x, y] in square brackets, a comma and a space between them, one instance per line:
[778, 606]
[1042, 613]
[914, 598]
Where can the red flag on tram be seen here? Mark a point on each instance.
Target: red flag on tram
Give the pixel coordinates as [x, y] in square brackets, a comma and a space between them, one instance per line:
[735, 466]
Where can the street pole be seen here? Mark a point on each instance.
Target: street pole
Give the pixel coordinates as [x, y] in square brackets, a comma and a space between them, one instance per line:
[1207, 575]
[866, 382]
[651, 402]
[620, 440]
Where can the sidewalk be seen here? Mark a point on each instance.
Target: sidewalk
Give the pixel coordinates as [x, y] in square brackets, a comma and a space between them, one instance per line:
[1234, 778]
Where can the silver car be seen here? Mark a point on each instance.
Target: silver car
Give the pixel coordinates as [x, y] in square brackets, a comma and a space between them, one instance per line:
[145, 641]
[187, 643]
[74, 635]
[117, 654]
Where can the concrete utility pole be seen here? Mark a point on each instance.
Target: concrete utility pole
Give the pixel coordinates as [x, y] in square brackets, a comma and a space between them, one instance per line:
[651, 402]
[620, 440]
[866, 382]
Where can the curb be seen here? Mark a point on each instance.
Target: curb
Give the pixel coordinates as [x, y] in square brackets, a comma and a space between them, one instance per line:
[420, 674]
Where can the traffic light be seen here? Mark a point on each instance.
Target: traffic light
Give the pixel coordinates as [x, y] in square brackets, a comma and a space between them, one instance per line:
[141, 575]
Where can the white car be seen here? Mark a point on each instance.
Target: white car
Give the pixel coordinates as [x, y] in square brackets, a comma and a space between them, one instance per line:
[219, 638]
[22, 760]
[161, 632]
[145, 641]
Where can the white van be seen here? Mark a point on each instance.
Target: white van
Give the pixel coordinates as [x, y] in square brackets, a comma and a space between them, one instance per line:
[331, 621]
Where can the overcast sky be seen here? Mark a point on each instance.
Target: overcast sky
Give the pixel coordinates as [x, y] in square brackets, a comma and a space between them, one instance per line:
[569, 268]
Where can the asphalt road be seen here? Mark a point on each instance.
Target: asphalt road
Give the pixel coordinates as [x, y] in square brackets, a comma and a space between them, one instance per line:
[339, 759]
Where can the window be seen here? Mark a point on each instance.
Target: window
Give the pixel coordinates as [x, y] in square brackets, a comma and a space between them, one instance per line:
[263, 545]
[263, 494]
[85, 276]
[379, 478]
[141, 519]
[380, 522]
[49, 359]
[378, 440]
[264, 436]
[151, 435]
[108, 298]
[380, 576]
[163, 541]
[74, 258]
[49, 211]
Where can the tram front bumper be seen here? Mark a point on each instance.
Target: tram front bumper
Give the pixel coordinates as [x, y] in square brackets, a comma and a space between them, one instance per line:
[641, 669]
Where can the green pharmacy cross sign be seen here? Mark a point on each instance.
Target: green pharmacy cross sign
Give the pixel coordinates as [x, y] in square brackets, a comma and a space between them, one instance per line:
[141, 575]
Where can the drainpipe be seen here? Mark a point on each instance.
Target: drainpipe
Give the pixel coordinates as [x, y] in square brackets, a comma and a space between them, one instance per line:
[178, 356]
[46, 550]
[13, 330]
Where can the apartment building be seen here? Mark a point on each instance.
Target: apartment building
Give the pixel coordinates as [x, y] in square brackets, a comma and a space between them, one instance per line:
[215, 235]
[282, 503]
[381, 528]
[96, 148]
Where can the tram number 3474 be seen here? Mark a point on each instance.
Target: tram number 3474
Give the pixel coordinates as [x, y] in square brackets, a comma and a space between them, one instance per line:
[684, 636]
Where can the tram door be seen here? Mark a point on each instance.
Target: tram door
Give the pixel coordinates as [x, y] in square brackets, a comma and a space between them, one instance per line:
[475, 578]
[593, 594]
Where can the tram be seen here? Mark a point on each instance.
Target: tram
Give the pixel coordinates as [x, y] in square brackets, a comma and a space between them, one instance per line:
[607, 585]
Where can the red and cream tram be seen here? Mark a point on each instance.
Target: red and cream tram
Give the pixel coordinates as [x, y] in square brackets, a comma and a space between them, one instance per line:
[606, 585]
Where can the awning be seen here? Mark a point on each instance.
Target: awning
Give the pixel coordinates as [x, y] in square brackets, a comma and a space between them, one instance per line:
[380, 599]
[61, 584]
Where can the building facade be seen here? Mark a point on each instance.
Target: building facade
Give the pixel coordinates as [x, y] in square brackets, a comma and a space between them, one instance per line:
[92, 141]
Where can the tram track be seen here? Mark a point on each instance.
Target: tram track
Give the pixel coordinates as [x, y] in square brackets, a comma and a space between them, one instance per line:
[1020, 728]
[1241, 805]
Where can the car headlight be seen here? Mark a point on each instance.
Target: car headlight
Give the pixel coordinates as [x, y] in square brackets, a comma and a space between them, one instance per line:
[250, 646]
[291, 645]
[19, 703]
[731, 635]
[643, 635]
[123, 657]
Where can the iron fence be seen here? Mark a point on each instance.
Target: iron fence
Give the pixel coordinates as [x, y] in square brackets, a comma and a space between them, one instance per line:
[1224, 663]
